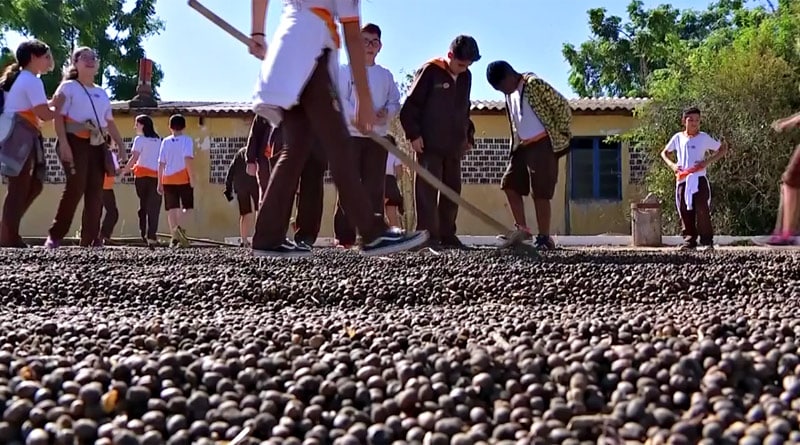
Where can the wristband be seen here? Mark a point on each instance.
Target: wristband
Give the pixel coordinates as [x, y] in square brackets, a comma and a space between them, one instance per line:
[253, 34]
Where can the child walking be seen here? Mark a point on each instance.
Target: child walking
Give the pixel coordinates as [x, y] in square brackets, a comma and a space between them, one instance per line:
[175, 178]
[144, 165]
[692, 190]
[247, 192]
[297, 87]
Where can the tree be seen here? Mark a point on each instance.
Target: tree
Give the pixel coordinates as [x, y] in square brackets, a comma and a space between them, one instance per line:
[740, 88]
[620, 57]
[103, 25]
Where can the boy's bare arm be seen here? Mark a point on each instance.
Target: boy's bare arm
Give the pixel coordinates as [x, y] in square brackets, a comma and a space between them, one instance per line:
[787, 123]
[723, 149]
[665, 155]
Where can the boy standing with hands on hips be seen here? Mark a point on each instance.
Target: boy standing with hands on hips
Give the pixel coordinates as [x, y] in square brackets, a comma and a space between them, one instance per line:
[692, 190]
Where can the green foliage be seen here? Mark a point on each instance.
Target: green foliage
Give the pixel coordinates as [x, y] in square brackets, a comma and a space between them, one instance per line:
[116, 35]
[741, 88]
[621, 56]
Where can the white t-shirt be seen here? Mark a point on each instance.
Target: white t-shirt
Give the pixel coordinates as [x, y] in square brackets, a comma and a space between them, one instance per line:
[691, 150]
[526, 122]
[148, 149]
[173, 153]
[78, 106]
[391, 163]
[384, 95]
[26, 93]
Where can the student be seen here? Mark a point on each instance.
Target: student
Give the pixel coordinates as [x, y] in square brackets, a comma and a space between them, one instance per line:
[112, 212]
[786, 231]
[22, 159]
[82, 129]
[296, 87]
[176, 178]
[247, 191]
[540, 119]
[435, 118]
[693, 191]
[310, 190]
[393, 197]
[370, 157]
[144, 165]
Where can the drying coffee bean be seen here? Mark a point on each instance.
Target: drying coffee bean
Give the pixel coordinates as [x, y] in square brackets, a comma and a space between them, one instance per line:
[126, 346]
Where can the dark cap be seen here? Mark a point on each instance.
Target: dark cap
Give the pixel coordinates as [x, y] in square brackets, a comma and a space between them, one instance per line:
[465, 48]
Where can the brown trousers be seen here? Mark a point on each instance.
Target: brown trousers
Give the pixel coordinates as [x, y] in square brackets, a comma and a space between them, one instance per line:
[436, 213]
[84, 181]
[309, 201]
[317, 116]
[696, 222]
[22, 190]
[370, 158]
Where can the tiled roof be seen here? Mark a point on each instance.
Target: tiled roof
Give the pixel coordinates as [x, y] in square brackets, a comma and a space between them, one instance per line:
[578, 104]
[585, 104]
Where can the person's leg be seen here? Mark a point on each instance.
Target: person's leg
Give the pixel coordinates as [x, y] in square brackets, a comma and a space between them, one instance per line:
[542, 164]
[688, 224]
[18, 190]
[787, 225]
[76, 178]
[702, 209]
[373, 172]
[343, 229]
[172, 205]
[111, 216]
[246, 218]
[272, 220]
[93, 197]
[140, 186]
[393, 200]
[448, 210]
[322, 107]
[310, 202]
[427, 197]
[516, 184]
[154, 209]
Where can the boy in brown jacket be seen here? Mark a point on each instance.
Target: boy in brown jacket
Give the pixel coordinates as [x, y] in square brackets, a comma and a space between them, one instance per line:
[435, 118]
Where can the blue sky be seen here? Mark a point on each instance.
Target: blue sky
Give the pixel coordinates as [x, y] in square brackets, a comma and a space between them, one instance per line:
[201, 62]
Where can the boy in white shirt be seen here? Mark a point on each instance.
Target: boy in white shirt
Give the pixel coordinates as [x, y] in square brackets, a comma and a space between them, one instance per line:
[693, 191]
[175, 178]
[370, 156]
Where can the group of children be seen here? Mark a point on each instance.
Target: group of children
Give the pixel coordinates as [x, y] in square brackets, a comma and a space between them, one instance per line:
[85, 128]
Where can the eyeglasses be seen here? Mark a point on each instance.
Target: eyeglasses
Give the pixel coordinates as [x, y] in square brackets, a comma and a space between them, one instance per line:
[88, 57]
[372, 42]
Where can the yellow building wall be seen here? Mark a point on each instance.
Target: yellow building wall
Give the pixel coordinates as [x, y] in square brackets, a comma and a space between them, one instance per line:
[216, 218]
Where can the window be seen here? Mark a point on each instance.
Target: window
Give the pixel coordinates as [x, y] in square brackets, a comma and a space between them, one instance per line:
[595, 169]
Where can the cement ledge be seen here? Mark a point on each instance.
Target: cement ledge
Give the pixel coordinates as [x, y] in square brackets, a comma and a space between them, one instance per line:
[563, 240]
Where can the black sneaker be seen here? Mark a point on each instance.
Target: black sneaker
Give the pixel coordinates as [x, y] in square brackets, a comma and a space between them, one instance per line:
[393, 241]
[288, 249]
[544, 242]
[304, 244]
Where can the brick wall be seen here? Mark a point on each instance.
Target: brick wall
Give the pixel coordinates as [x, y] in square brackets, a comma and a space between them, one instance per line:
[484, 164]
[639, 165]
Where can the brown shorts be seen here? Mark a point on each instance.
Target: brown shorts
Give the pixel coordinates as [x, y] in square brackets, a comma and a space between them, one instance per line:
[532, 168]
[178, 197]
[791, 176]
[247, 200]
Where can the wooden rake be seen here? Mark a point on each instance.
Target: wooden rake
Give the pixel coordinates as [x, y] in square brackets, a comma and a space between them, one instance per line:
[514, 239]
